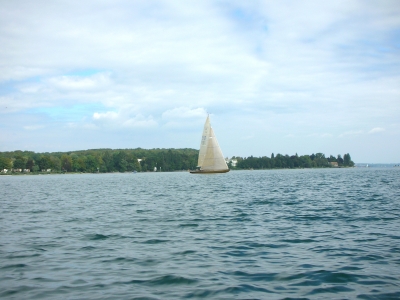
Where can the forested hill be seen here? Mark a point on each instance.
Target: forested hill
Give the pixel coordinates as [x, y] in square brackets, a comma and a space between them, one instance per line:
[280, 161]
[101, 160]
[142, 160]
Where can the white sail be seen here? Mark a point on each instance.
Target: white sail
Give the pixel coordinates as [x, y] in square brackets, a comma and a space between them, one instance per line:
[213, 159]
[204, 141]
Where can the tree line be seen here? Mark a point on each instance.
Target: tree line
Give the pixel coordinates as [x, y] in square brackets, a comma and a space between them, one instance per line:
[101, 160]
[142, 160]
[280, 161]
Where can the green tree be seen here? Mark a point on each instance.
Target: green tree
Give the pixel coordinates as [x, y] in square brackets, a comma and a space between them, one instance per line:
[132, 161]
[340, 160]
[99, 161]
[44, 162]
[347, 160]
[55, 163]
[122, 165]
[332, 159]
[306, 161]
[108, 162]
[120, 161]
[320, 160]
[91, 164]
[80, 162]
[30, 164]
[75, 163]
[66, 163]
[20, 162]
[5, 163]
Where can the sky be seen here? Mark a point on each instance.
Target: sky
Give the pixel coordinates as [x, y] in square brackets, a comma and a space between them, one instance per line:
[275, 76]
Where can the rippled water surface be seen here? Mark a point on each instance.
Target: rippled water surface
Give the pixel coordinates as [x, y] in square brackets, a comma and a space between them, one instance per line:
[305, 234]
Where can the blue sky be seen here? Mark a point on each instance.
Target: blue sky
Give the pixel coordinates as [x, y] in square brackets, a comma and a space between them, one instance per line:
[276, 76]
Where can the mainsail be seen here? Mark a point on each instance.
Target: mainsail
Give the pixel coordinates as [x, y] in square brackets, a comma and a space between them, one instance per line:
[204, 141]
[211, 159]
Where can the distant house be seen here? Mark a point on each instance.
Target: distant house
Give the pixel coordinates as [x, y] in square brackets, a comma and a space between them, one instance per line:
[46, 170]
[233, 161]
[4, 171]
[17, 170]
[27, 171]
[334, 164]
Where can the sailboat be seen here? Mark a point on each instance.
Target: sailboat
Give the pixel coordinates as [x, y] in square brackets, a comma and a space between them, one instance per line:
[211, 159]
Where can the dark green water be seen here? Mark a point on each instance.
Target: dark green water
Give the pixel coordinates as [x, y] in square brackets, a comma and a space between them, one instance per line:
[297, 234]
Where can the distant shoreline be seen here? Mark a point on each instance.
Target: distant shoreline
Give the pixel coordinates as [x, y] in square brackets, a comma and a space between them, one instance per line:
[160, 159]
[152, 172]
[374, 166]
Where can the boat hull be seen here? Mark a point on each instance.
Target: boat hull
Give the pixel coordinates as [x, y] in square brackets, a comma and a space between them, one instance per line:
[209, 171]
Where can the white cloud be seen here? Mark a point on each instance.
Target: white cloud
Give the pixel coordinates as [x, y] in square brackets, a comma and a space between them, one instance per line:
[97, 81]
[30, 88]
[184, 112]
[12, 104]
[376, 130]
[33, 127]
[321, 135]
[140, 121]
[326, 135]
[107, 116]
[113, 119]
[259, 67]
[90, 126]
[10, 72]
[351, 133]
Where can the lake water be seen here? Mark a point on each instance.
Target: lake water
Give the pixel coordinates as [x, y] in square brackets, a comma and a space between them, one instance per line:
[274, 234]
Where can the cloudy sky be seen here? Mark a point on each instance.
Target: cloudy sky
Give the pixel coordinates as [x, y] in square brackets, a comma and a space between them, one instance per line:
[275, 76]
